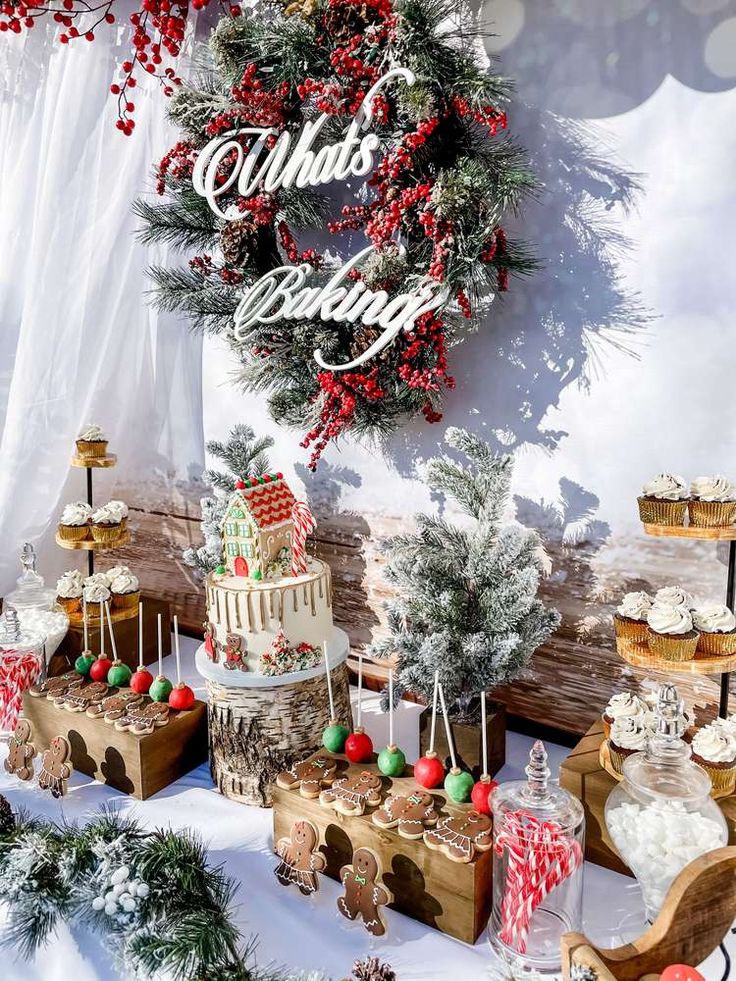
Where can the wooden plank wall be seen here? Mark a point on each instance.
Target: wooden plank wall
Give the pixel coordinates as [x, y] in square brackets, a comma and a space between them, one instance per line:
[570, 678]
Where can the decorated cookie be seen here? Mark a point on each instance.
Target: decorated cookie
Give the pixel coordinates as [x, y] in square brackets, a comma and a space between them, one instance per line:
[58, 686]
[79, 699]
[210, 643]
[310, 776]
[142, 719]
[234, 653]
[21, 751]
[112, 707]
[300, 860]
[56, 767]
[411, 812]
[460, 837]
[352, 794]
[364, 896]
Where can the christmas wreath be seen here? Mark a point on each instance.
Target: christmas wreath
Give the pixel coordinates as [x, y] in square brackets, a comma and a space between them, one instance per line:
[436, 175]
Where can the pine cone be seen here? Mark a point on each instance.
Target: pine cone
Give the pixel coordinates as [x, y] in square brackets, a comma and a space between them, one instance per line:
[306, 8]
[237, 241]
[362, 340]
[371, 969]
[343, 22]
[7, 818]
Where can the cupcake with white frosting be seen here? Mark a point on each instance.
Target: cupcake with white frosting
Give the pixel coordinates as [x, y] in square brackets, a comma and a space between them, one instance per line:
[69, 591]
[106, 524]
[714, 748]
[74, 521]
[663, 500]
[121, 509]
[712, 502]
[717, 627]
[628, 736]
[91, 442]
[102, 578]
[125, 590]
[623, 705]
[671, 634]
[674, 596]
[630, 618]
[95, 592]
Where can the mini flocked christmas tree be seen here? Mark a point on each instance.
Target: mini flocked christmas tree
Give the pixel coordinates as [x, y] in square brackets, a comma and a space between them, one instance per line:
[466, 593]
[244, 455]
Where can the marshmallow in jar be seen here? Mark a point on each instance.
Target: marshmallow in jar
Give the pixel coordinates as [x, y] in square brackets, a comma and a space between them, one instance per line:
[662, 817]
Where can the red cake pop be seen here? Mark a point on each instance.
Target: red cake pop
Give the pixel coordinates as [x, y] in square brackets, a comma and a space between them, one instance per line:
[142, 678]
[181, 696]
[102, 664]
[358, 745]
[482, 789]
[429, 770]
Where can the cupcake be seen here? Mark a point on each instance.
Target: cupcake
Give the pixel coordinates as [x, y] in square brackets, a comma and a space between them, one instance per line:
[69, 591]
[671, 635]
[624, 705]
[712, 502]
[674, 596]
[121, 509]
[663, 500]
[106, 524]
[74, 521]
[714, 748]
[95, 592]
[717, 627]
[91, 443]
[630, 618]
[99, 578]
[125, 590]
[627, 737]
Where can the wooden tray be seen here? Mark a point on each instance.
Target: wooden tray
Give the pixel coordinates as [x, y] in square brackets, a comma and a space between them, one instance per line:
[90, 545]
[109, 460]
[688, 531]
[449, 896]
[77, 619]
[640, 656]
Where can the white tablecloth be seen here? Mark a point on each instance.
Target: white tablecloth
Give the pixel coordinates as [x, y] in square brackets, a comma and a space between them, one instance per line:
[294, 932]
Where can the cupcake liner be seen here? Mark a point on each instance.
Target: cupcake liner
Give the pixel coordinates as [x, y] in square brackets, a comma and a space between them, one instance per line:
[606, 727]
[711, 514]
[92, 447]
[629, 629]
[653, 511]
[671, 647]
[126, 601]
[106, 533]
[717, 645]
[723, 778]
[70, 604]
[73, 533]
[618, 757]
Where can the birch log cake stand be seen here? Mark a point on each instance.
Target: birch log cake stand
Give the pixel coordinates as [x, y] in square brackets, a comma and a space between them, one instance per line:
[258, 725]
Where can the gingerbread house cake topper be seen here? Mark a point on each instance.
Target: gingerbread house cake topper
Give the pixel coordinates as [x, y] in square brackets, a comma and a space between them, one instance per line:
[264, 532]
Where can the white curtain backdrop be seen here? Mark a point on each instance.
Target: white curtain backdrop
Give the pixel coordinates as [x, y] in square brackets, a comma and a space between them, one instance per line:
[78, 341]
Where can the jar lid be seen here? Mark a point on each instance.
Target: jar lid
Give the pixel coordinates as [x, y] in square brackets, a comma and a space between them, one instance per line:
[32, 591]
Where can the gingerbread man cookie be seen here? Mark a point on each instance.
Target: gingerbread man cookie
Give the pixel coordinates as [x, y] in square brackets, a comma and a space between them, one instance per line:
[300, 860]
[79, 699]
[310, 776]
[234, 654]
[363, 895]
[142, 719]
[55, 767]
[352, 794]
[58, 686]
[21, 751]
[114, 706]
[460, 837]
[210, 643]
[411, 812]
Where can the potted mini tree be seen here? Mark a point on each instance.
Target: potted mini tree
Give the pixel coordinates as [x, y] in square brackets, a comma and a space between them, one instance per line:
[466, 601]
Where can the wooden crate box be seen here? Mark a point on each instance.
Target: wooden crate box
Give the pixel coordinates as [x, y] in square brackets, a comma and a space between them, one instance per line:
[427, 886]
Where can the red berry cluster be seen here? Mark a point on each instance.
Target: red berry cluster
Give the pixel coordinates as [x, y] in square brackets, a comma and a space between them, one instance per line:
[177, 164]
[254, 104]
[79, 18]
[489, 116]
[339, 394]
[494, 251]
[423, 358]
[288, 244]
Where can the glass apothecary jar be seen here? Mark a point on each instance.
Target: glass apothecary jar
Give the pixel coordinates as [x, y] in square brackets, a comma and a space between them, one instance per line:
[538, 840]
[35, 603]
[21, 665]
[662, 816]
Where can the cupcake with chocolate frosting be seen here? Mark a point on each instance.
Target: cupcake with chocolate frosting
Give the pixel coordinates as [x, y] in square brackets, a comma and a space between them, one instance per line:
[628, 736]
[712, 502]
[714, 748]
[717, 627]
[91, 443]
[630, 618]
[663, 500]
[671, 635]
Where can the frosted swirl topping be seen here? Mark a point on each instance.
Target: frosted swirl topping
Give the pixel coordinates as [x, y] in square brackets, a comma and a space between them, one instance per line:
[92, 434]
[625, 706]
[714, 744]
[96, 593]
[628, 734]
[118, 507]
[667, 487]
[635, 606]
[69, 586]
[126, 582]
[716, 488]
[673, 596]
[98, 579]
[714, 618]
[104, 516]
[76, 513]
[663, 619]
[114, 571]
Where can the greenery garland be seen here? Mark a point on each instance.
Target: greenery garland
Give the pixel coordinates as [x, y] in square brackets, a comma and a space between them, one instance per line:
[447, 175]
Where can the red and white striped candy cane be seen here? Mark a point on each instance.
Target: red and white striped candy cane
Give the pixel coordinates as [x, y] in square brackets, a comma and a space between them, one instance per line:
[18, 671]
[303, 523]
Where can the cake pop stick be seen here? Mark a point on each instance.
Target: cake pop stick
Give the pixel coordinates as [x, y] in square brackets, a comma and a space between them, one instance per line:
[182, 696]
[428, 770]
[358, 745]
[86, 659]
[119, 673]
[85, 625]
[391, 760]
[482, 790]
[161, 687]
[142, 679]
[102, 664]
[335, 734]
[458, 783]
